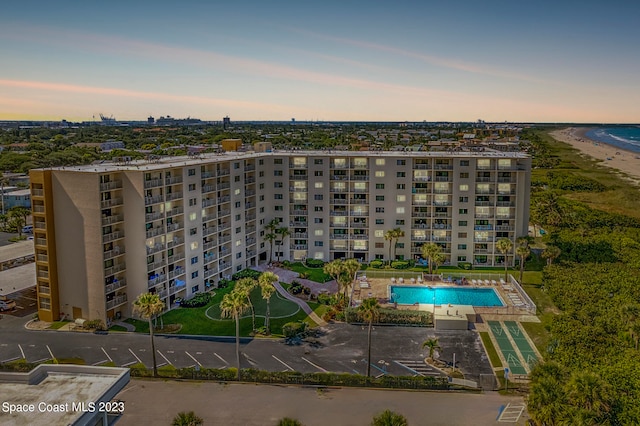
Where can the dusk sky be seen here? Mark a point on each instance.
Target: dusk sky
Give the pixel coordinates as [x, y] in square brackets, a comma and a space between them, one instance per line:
[539, 61]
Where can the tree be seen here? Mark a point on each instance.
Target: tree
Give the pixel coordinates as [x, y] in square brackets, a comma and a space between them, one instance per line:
[284, 233]
[266, 280]
[148, 305]
[3, 182]
[397, 234]
[246, 286]
[523, 252]
[271, 235]
[551, 253]
[432, 344]
[370, 310]
[288, 421]
[187, 419]
[430, 251]
[504, 246]
[590, 396]
[4, 222]
[232, 306]
[389, 418]
[388, 235]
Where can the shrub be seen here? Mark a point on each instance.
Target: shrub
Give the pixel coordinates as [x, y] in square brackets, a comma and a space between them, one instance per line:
[96, 324]
[187, 419]
[200, 299]
[465, 265]
[394, 316]
[400, 264]
[306, 290]
[304, 275]
[389, 418]
[224, 283]
[324, 299]
[376, 263]
[314, 263]
[286, 263]
[287, 421]
[294, 329]
[246, 273]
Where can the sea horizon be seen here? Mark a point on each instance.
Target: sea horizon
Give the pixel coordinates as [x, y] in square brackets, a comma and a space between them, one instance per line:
[623, 137]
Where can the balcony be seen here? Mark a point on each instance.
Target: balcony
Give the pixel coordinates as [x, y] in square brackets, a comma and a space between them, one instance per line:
[420, 226]
[177, 241]
[338, 225]
[339, 213]
[206, 202]
[210, 230]
[156, 279]
[207, 174]
[224, 185]
[421, 166]
[176, 272]
[110, 203]
[152, 200]
[42, 258]
[153, 183]
[339, 201]
[250, 192]
[43, 289]
[155, 265]
[209, 257]
[251, 253]
[208, 188]
[117, 251]
[298, 177]
[483, 227]
[294, 189]
[249, 167]
[110, 288]
[224, 199]
[37, 209]
[298, 223]
[210, 272]
[442, 179]
[150, 217]
[421, 214]
[154, 232]
[155, 249]
[114, 269]
[250, 180]
[41, 241]
[223, 172]
[339, 236]
[358, 201]
[359, 237]
[484, 179]
[43, 274]
[443, 166]
[299, 246]
[116, 301]
[358, 213]
[360, 177]
[174, 196]
[225, 212]
[106, 238]
[359, 225]
[249, 205]
[338, 190]
[210, 244]
[171, 227]
[175, 211]
[225, 265]
[175, 258]
[108, 186]
[250, 241]
[440, 203]
[37, 192]
[173, 180]
[225, 239]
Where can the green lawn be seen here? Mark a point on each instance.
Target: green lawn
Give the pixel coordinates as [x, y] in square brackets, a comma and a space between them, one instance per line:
[314, 274]
[494, 358]
[195, 321]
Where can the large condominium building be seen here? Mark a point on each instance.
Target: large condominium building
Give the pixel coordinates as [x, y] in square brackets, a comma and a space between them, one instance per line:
[106, 233]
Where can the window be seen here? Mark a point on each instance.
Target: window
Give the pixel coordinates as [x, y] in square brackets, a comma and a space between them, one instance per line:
[379, 233]
[400, 245]
[462, 258]
[277, 196]
[193, 231]
[318, 197]
[277, 184]
[379, 245]
[192, 172]
[261, 186]
[379, 197]
[261, 209]
[462, 235]
[462, 223]
[379, 161]
[261, 162]
[195, 289]
[193, 202]
[194, 245]
[379, 209]
[238, 230]
[192, 187]
[317, 161]
[379, 185]
[277, 161]
[192, 217]
[237, 191]
[400, 186]
[317, 209]
[237, 204]
[239, 255]
[463, 187]
[279, 208]
[401, 198]
[463, 199]
[400, 222]
[379, 173]
[464, 162]
[318, 232]
[317, 220]
[379, 221]
[194, 260]
[462, 211]
[317, 173]
[401, 174]
[238, 243]
[236, 165]
[194, 275]
[399, 210]
[318, 185]
[318, 243]
[238, 217]
[464, 175]
[236, 178]
[462, 246]
[277, 172]
[401, 162]
[261, 173]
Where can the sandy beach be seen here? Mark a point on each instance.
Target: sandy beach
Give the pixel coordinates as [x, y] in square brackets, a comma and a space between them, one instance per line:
[611, 156]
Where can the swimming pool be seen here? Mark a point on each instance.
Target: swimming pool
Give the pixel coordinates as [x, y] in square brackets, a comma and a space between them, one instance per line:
[409, 295]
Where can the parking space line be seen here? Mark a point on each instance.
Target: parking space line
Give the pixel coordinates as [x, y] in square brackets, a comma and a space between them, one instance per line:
[9, 360]
[105, 352]
[99, 362]
[136, 356]
[165, 358]
[41, 360]
[190, 356]
[282, 362]
[128, 364]
[315, 365]
[221, 359]
[22, 352]
[50, 353]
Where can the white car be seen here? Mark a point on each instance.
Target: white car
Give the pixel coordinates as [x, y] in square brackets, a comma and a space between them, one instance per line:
[7, 305]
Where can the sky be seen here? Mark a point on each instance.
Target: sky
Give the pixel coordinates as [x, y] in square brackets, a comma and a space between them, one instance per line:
[457, 60]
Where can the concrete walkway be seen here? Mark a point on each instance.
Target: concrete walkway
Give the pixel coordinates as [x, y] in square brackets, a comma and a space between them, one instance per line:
[129, 327]
[303, 305]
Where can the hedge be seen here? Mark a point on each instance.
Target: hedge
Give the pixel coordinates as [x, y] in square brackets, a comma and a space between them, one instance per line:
[393, 316]
[376, 264]
[314, 263]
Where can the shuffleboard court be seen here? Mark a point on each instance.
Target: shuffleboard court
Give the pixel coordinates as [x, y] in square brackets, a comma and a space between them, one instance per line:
[510, 355]
[519, 337]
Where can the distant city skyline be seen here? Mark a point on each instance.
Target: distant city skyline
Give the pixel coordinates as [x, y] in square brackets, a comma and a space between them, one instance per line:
[331, 61]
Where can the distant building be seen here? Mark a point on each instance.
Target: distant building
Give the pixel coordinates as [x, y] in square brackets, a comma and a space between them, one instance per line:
[111, 145]
[151, 120]
[20, 197]
[231, 144]
[226, 122]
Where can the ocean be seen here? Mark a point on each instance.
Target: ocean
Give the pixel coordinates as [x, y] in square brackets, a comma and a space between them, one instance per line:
[627, 138]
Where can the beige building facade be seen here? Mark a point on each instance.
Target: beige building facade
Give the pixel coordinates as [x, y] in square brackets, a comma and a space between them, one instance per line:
[105, 233]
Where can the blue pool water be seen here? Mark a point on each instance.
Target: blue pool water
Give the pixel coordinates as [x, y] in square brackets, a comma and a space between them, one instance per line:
[408, 295]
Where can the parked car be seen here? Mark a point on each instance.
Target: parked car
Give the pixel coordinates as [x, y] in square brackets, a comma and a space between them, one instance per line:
[7, 305]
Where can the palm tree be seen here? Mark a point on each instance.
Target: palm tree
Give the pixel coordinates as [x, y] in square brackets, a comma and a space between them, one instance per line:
[397, 234]
[504, 246]
[271, 235]
[432, 344]
[590, 394]
[232, 306]
[284, 233]
[388, 235]
[523, 252]
[389, 418]
[430, 251]
[551, 253]
[266, 280]
[349, 267]
[148, 305]
[20, 211]
[333, 269]
[3, 182]
[370, 310]
[631, 318]
[246, 286]
[187, 419]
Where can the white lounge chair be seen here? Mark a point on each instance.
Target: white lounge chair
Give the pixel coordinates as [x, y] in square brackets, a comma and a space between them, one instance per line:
[493, 282]
[487, 282]
[474, 282]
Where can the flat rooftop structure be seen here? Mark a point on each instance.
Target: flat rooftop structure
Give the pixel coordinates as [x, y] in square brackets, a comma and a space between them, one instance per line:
[164, 162]
[53, 394]
[16, 250]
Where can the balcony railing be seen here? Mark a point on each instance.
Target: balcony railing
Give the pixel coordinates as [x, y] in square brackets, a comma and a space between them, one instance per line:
[175, 211]
[110, 288]
[210, 230]
[223, 172]
[106, 238]
[174, 196]
[110, 203]
[206, 202]
[175, 242]
[152, 183]
[152, 200]
[208, 188]
[117, 251]
[116, 301]
[173, 180]
[37, 192]
[108, 186]
[175, 258]
[114, 269]
[157, 279]
[150, 217]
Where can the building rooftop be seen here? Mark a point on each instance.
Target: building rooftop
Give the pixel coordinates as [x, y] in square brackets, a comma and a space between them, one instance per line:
[181, 161]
